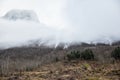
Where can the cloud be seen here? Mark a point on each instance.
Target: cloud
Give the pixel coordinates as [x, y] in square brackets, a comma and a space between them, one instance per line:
[48, 11]
[63, 21]
[94, 19]
[17, 33]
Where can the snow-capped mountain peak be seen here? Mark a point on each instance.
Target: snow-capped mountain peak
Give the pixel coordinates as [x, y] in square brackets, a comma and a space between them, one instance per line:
[27, 15]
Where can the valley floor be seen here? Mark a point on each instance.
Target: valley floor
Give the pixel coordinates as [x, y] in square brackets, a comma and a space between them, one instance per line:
[73, 70]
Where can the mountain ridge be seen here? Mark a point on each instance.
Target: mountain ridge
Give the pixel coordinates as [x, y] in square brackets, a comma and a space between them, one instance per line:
[17, 14]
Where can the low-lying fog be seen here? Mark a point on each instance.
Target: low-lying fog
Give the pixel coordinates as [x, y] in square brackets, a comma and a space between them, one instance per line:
[61, 21]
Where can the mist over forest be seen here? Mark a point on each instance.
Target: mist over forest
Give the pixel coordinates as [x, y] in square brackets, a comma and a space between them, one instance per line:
[61, 21]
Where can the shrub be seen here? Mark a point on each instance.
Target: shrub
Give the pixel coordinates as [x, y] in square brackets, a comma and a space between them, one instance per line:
[56, 59]
[73, 55]
[29, 69]
[87, 55]
[116, 53]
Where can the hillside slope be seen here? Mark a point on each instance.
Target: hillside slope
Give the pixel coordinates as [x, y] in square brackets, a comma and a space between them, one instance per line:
[74, 70]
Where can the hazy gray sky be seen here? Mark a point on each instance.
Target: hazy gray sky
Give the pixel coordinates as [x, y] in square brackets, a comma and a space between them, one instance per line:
[64, 20]
[49, 11]
[94, 18]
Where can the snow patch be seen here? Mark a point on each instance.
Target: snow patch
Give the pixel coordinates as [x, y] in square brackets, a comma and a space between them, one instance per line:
[26, 15]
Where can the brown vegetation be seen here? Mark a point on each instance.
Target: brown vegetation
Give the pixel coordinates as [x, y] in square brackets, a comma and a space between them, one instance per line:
[74, 70]
[31, 63]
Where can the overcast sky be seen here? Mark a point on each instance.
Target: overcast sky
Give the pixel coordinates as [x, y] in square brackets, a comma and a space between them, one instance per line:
[49, 11]
[74, 20]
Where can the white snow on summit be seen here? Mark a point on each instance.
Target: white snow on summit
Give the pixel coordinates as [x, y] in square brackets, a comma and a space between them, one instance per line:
[27, 15]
